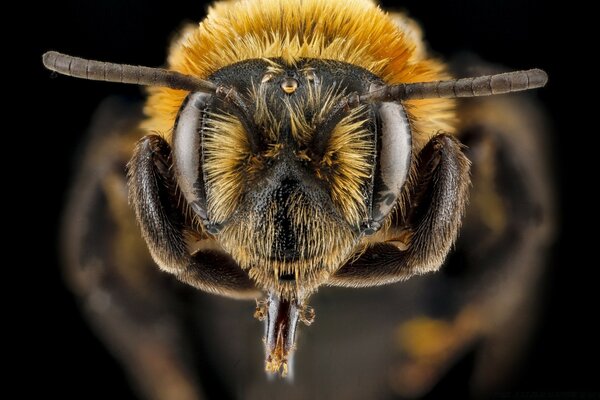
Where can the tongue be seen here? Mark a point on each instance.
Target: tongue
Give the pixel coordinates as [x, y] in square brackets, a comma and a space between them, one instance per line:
[281, 321]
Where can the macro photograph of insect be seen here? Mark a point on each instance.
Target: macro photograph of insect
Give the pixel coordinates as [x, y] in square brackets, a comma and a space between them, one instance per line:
[309, 199]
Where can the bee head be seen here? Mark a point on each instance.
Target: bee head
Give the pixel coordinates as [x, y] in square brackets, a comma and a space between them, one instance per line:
[285, 172]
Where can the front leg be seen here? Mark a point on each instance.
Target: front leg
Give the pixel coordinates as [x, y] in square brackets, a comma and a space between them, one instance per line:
[152, 193]
[434, 213]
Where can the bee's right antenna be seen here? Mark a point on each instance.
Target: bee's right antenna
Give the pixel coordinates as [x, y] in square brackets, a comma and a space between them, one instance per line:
[122, 73]
[467, 87]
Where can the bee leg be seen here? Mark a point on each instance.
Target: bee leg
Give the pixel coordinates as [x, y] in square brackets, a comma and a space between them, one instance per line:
[153, 195]
[434, 211]
[130, 305]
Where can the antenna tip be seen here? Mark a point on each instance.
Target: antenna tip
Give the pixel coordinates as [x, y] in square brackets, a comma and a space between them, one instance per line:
[537, 78]
[49, 59]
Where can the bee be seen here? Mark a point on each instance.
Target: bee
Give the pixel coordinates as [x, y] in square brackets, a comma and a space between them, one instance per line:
[288, 146]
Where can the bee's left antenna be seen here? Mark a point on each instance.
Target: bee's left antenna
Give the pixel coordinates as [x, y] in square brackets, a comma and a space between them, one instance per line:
[508, 82]
[122, 73]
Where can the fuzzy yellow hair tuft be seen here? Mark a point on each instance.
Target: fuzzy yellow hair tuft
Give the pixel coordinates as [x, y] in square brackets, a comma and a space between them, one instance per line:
[352, 31]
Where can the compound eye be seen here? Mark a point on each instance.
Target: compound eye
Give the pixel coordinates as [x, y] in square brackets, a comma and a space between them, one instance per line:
[393, 162]
[187, 149]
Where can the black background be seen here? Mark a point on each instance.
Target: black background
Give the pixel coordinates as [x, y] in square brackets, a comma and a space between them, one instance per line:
[64, 357]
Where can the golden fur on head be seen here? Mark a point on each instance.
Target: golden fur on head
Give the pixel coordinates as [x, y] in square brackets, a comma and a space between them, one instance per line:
[227, 155]
[353, 31]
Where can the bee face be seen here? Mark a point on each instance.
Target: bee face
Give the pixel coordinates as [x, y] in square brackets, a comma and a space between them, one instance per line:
[284, 174]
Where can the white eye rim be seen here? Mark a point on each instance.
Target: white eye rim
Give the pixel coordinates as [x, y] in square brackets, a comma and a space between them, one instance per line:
[187, 145]
[394, 161]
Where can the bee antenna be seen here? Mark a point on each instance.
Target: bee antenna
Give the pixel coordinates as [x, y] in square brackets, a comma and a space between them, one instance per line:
[122, 73]
[467, 87]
